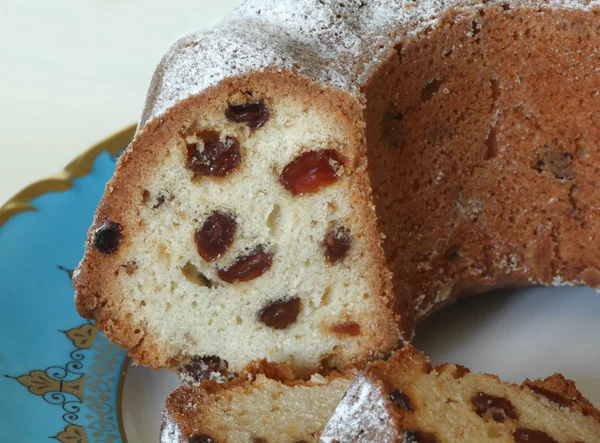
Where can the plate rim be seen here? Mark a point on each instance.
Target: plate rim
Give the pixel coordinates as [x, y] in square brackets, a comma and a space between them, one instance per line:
[62, 181]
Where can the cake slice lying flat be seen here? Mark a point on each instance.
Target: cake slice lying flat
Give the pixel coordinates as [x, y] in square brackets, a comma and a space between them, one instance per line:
[263, 405]
[402, 400]
[406, 400]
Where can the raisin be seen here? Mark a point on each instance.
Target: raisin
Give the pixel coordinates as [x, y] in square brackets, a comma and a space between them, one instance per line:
[254, 114]
[247, 267]
[337, 243]
[532, 436]
[259, 440]
[348, 328]
[281, 313]
[215, 236]
[499, 408]
[419, 437]
[559, 399]
[401, 400]
[311, 171]
[202, 438]
[108, 237]
[430, 90]
[160, 200]
[208, 367]
[217, 159]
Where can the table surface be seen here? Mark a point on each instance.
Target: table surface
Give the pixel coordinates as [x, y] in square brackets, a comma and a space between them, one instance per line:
[74, 72]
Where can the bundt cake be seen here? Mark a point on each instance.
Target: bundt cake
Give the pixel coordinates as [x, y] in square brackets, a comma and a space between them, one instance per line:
[264, 404]
[406, 400]
[312, 177]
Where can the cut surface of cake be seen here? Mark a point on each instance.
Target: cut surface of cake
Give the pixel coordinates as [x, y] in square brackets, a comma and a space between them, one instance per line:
[407, 400]
[263, 405]
[310, 178]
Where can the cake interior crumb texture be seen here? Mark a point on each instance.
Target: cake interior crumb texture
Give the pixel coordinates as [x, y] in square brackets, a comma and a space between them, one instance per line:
[263, 410]
[271, 215]
[407, 400]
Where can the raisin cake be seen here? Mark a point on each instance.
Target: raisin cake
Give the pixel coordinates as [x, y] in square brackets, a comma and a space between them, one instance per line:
[264, 404]
[406, 400]
[310, 178]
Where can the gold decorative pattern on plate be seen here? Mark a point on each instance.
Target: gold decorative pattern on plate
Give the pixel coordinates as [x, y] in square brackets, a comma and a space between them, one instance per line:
[65, 385]
[72, 434]
[63, 181]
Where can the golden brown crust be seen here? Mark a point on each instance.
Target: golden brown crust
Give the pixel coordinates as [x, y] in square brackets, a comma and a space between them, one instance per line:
[487, 150]
[563, 392]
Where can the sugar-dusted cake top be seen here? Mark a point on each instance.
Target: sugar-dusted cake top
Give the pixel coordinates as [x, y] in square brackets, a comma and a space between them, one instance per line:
[337, 43]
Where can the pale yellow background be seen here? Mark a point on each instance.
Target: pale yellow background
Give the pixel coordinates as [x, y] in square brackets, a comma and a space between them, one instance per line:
[75, 71]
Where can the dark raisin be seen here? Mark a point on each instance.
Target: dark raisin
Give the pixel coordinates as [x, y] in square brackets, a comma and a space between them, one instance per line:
[430, 90]
[107, 237]
[401, 400]
[259, 440]
[247, 267]
[208, 367]
[215, 236]
[419, 437]
[559, 399]
[281, 313]
[337, 243]
[311, 171]
[217, 158]
[499, 408]
[160, 200]
[532, 436]
[254, 114]
[202, 438]
[347, 328]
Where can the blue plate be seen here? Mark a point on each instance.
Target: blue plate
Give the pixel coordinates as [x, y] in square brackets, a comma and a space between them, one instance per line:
[59, 375]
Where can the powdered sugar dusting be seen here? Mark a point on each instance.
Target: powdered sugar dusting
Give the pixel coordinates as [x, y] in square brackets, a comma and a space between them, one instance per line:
[170, 432]
[361, 416]
[337, 44]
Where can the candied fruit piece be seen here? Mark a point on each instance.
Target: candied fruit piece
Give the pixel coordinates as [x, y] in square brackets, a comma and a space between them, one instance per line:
[347, 328]
[311, 171]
